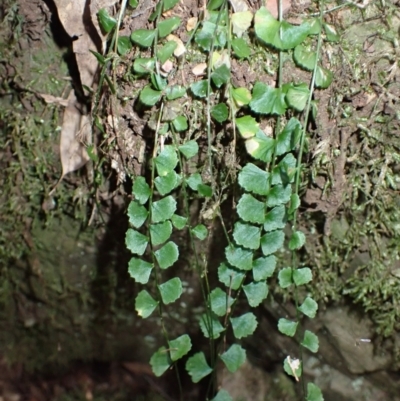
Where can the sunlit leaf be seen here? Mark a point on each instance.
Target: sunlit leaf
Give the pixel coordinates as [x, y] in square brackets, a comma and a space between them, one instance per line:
[143, 37]
[272, 242]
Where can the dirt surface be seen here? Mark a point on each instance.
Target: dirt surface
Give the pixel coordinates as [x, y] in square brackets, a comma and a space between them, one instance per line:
[349, 209]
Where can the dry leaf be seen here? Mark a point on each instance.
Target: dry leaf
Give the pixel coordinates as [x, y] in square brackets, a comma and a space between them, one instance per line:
[180, 47]
[167, 67]
[239, 5]
[50, 99]
[191, 23]
[241, 22]
[199, 69]
[75, 131]
[81, 26]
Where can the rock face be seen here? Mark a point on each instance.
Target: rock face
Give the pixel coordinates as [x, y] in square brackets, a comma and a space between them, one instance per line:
[353, 339]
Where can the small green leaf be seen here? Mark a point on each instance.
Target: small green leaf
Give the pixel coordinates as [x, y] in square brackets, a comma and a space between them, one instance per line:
[124, 45]
[278, 195]
[261, 147]
[302, 276]
[230, 276]
[144, 65]
[167, 255]
[171, 290]
[149, 97]
[254, 179]
[256, 292]
[310, 341]
[200, 231]
[167, 183]
[197, 367]
[241, 96]
[285, 277]
[143, 37]
[136, 242]
[239, 257]
[275, 219]
[244, 325]
[210, 34]
[160, 361]
[211, 328]
[297, 240]
[281, 35]
[159, 83]
[166, 51]
[102, 60]
[247, 126]
[264, 268]
[163, 209]
[166, 26]
[309, 307]
[168, 4]
[323, 77]
[140, 270]
[141, 190]
[178, 222]
[159, 233]
[292, 367]
[179, 347]
[137, 214]
[222, 395]
[214, 4]
[189, 149]
[272, 242]
[314, 393]
[166, 161]
[106, 22]
[304, 58]
[250, 209]
[241, 48]
[199, 88]
[287, 327]
[194, 181]
[247, 235]
[297, 96]
[294, 203]
[145, 304]
[284, 172]
[234, 357]
[175, 92]
[133, 3]
[267, 100]
[220, 112]
[204, 190]
[289, 137]
[331, 33]
[219, 301]
[221, 75]
[180, 123]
